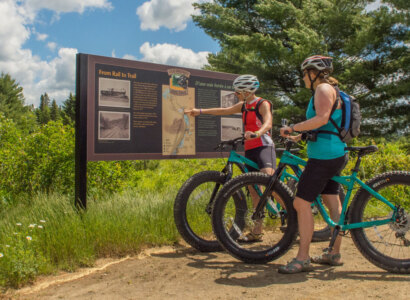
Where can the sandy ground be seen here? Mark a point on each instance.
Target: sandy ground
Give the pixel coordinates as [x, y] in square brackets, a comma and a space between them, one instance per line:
[183, 273]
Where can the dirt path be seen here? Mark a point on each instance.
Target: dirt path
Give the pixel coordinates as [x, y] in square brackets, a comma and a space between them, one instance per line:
[183, 273]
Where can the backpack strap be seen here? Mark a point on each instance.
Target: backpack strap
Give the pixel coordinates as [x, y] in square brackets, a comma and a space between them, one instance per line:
[256, 109]
[339, 130]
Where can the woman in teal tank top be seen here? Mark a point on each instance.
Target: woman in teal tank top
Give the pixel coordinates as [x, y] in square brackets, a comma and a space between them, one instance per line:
[326, 158]
[327, 146]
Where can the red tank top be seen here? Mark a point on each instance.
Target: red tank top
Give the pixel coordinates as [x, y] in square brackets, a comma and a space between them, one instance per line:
[253, 121]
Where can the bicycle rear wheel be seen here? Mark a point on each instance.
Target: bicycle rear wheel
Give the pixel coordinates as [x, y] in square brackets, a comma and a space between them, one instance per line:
[386, 246]
[278, 232]
[192, 210]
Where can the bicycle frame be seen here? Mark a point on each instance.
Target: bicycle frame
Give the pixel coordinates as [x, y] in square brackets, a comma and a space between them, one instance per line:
[241, 161]
[347, 181]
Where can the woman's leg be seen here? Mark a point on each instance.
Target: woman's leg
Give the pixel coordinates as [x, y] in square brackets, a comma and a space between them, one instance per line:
[305, 223]
[335, 209]
[257, 229]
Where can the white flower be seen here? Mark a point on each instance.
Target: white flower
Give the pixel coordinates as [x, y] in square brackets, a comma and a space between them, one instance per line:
[7, 246]
[1, 255]
[18, 224]
[31, 225]
[39, 226]
[42, 221]
[29, 238]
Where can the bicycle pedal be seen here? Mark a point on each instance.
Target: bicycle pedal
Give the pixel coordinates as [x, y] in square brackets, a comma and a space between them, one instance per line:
[327, 250]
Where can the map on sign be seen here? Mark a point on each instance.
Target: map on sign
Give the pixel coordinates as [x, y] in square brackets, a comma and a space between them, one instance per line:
[178, 130]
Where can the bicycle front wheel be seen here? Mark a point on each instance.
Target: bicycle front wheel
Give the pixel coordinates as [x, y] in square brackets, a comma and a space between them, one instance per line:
[193, 206]
[279, 230]
[386, 246]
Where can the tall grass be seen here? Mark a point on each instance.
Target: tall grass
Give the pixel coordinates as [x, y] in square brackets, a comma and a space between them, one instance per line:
[48, 233]
[44, 233]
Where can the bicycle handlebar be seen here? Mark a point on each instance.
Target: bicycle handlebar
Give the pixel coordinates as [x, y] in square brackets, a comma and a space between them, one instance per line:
[233, 143]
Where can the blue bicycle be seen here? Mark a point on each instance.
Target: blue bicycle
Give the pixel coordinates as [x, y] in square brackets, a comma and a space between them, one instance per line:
[378, 217]
[194, 201]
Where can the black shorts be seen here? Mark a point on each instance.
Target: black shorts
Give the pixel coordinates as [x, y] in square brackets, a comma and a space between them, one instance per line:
[315, 179]
[264, 156]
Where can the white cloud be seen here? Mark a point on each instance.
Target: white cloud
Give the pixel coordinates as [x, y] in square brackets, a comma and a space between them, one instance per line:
[173, 55]
[172, 14]
[52, 46]
[37, 76]
[31, 7]
[129, 56]
[13, 32]
[41, 36]
[57, 78]
[373, 6]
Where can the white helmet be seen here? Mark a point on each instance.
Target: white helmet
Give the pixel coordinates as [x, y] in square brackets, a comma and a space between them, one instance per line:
[320, 63]
[246, 83]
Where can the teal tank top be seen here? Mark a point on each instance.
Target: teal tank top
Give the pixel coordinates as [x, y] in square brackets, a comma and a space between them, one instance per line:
[327, 146]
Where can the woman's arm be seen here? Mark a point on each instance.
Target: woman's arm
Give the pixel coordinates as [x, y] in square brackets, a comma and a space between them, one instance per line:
[217, 111]
[325, 96]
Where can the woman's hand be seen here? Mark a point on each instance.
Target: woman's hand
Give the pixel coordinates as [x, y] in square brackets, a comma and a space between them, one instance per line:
[192, 112]
[295, 138]
[249, 135]
[285, 131]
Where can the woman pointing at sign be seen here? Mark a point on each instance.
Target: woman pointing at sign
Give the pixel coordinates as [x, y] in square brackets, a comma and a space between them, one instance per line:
[257, 120]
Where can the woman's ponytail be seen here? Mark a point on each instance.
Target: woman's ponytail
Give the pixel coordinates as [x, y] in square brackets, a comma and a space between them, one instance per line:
[332, 81]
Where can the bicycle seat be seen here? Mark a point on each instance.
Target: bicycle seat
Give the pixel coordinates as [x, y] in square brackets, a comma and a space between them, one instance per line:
[363, 150]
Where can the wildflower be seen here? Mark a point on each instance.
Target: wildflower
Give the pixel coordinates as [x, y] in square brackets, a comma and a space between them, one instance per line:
[42, 221]
[29, 238]
[18, 224]
[7, 246]
[15, 233]
[31, 225]
[1, 255]
[39, 226]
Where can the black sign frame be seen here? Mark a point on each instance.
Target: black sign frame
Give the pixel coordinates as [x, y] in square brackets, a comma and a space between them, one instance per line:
[109, 95]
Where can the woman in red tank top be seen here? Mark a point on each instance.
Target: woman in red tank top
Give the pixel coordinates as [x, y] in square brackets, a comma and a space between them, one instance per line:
[257, 119]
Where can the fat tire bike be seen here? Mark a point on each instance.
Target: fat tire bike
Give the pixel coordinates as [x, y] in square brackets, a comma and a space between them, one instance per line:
[377, 217]
[193, 203]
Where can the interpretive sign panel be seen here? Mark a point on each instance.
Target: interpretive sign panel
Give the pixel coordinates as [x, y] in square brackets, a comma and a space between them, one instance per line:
[135, 110]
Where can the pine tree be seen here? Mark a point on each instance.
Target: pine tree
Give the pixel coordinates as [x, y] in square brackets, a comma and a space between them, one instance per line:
[43, 112]
[12, 103]
[68, 110]
[55, 113]
[270, 38]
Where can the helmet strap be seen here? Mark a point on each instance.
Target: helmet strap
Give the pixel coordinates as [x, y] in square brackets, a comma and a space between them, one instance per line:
[313, 81]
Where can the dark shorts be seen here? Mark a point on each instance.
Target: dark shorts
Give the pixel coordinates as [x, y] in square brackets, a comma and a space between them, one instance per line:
[315, 179]
[264, 156]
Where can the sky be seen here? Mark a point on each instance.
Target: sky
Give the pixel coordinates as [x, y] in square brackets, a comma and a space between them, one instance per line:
[39, 39]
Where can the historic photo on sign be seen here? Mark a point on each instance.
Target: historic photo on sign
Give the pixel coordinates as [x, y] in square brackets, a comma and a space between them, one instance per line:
[228, 98]
[230, 128]
[113, 125]
[114, 92]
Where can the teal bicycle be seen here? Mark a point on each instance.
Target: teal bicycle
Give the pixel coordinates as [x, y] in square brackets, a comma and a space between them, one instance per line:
[194, 201]
[378, 217]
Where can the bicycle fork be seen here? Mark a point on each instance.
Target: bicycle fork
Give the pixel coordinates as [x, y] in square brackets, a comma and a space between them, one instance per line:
[263, 200]
[227, 170]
